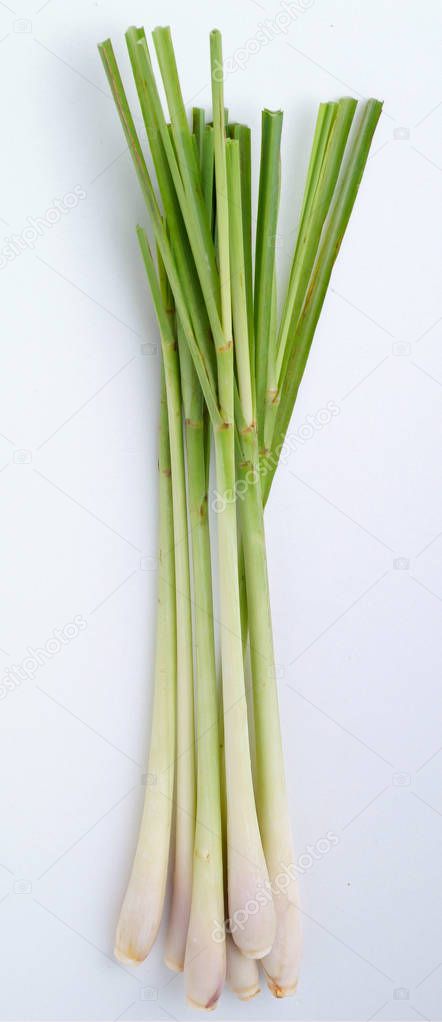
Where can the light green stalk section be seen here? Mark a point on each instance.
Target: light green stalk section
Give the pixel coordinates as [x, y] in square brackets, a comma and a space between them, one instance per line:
[225, 353]
[270, 784]
[270, 789]
[205, 958]
[208, 170]
[268, 205]
[300, 343]
[242, 134]
[246, 865]
[185, 746]
[238, 282]
[198, 126]
[205, 963]
[142, 907]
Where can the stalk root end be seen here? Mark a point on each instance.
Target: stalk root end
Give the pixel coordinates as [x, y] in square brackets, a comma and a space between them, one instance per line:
[280, 991]
[174, 966]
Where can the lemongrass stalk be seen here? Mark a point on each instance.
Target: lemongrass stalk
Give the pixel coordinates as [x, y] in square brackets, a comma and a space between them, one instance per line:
[225, 353]
[324, 123]
[238, 282]
[272, 389]
[185, 750]
[270, 783]
[343, 202]
[142, 907]
[242, 973]
[198, 127]
[205, 961]
[208, 170]
[247, 871]
[242, 134]
[242, 209]
[270, 787]
[268, 205]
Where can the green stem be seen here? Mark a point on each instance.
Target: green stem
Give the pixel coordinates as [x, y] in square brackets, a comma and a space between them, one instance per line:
[242, 134]
[238, 282]
[268, 205]
[324, 122]
[225, 352]
[205, 963]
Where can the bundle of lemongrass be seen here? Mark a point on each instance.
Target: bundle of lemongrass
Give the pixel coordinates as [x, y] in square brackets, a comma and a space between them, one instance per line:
[231, 373]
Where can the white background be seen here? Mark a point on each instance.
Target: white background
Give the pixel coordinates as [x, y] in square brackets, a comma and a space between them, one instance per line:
[354, 522]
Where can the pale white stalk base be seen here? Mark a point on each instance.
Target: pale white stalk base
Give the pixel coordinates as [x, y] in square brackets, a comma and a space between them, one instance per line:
[142, 908]
[181, 894]
[205, 963]
[242, 973]
[251, 908]
[281, 965]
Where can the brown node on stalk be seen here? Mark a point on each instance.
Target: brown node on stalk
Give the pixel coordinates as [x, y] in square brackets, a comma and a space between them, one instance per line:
[193, 423]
